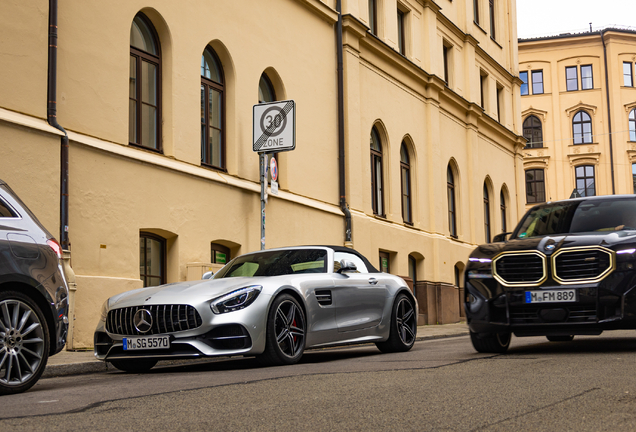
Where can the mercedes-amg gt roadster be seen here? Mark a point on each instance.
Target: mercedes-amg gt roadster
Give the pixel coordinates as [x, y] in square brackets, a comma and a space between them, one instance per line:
[271, 304]
[568, 269]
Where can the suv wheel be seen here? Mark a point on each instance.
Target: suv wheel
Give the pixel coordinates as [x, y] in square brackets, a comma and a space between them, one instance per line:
[24, 342]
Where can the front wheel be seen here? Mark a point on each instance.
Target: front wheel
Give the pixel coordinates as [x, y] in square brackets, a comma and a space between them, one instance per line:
[403, 326]
[490, 342]
[134, 365]
[286, 330]
[24, 342]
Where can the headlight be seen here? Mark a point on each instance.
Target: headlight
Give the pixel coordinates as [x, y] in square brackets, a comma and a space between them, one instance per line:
[236, 300]
[104, 312]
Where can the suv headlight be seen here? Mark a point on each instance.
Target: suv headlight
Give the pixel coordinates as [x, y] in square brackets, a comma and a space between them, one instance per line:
[239, 299]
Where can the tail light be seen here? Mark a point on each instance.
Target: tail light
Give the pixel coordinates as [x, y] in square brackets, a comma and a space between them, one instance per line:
[53, 244]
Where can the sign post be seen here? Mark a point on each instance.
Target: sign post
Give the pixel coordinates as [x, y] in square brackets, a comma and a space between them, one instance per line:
[274, 130]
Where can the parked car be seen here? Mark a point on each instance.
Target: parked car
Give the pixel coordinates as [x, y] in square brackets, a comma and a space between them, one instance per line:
[272, 304]
[33, 295]
[568, 269]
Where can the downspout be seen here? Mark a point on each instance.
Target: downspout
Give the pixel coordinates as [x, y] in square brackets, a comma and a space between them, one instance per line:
[51, 94]
[609, 112]
[341, 137]
[52, 120]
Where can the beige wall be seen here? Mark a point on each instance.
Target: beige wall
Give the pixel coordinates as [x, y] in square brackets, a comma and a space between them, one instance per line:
[117, 190]
[559, 157]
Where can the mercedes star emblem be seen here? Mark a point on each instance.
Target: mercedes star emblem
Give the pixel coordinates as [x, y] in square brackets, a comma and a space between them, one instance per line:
[143, 320]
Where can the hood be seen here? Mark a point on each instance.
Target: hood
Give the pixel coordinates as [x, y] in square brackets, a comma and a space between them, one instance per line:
[181, 292]
[610, 240]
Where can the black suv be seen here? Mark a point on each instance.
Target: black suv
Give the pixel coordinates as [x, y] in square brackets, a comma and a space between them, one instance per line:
[568, 269]
[33, 295]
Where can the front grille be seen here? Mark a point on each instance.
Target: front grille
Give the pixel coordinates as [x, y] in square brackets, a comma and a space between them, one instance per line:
[533, 315]
[230, 337]
[523, 268]
[165, 319]
[581, 265]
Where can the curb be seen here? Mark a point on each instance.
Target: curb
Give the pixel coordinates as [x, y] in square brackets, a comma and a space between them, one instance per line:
[97, 366]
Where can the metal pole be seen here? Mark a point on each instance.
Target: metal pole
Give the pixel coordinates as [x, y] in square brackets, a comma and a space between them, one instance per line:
[263, 190]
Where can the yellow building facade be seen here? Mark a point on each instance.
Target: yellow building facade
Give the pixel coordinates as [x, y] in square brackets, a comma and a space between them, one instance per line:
[578, 106]
[156, 99]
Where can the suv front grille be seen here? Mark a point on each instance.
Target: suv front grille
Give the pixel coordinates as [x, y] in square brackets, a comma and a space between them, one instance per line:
[520, 268]
[578, 265]
[165, 319]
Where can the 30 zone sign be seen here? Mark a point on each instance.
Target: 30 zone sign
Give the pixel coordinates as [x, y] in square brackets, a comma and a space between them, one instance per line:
[274, 127]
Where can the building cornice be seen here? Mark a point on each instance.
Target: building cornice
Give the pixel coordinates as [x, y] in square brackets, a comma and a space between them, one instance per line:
[321, 10]
[28, 122]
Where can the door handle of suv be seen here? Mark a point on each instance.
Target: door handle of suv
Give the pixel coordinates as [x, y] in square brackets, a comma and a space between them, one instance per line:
[373, 281]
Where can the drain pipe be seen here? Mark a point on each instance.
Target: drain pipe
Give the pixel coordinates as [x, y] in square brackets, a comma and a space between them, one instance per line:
[341, 138]
[51, 94]
[609, 112]
[52, 120]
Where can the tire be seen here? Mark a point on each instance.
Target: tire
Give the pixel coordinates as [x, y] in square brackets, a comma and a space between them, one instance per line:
[134, 365]
[286, 332]
[490, 342]
[560, 338]
[24, 342]
[403, 326]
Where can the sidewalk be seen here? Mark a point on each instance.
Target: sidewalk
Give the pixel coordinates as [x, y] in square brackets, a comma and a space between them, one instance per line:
[83, 362]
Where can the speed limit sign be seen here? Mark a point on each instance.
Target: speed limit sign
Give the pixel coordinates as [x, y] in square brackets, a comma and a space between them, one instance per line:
[274, 127]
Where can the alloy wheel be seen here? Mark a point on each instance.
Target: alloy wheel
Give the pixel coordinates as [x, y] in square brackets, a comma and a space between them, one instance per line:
[289, 328]
[22, 342]
[405, 317]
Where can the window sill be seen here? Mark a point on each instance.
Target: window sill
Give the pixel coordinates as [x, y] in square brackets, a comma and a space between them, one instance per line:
[212, 167]
[480, 27]
[142, 147]
[497, 43]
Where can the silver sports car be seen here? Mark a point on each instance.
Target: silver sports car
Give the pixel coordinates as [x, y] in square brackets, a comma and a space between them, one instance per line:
[271, 304]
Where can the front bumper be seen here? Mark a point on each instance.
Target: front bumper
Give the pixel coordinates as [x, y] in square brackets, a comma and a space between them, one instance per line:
[240, 332]
[499, 309]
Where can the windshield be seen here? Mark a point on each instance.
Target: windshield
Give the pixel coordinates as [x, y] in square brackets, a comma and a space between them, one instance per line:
[578, 216]
[276, 263]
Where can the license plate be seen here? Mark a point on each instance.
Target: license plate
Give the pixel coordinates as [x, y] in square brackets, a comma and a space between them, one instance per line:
[551, 296]
[146, 343]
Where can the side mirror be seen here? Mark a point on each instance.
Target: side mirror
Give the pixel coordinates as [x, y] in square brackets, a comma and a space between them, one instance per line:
[346, 266]
[500, 237]
[207, 275]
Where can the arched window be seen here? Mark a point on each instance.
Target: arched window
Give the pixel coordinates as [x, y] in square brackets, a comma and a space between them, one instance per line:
[585, 183]
[502, 206]
[266, 91]
[212, 110]
[533, 132]
[377, 186]
[632, 125]
[582, 128]
[486, 213]
[152, 259]
[405, 174]
[458, 276]
[144, 93]
[450, 188]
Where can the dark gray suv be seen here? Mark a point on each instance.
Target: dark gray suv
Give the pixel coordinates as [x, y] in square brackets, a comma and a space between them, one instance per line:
[33, 295]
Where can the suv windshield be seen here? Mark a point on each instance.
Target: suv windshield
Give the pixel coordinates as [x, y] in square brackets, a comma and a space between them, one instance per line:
[276, 263]
[578, 216]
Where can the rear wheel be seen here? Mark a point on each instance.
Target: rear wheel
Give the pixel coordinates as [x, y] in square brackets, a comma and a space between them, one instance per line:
[134, 365]
[560, 338]
[490, 342]
[286, 330]
[403, 326]
[24, 342]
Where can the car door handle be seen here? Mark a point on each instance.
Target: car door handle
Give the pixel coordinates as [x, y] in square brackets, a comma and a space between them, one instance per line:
[373, 281]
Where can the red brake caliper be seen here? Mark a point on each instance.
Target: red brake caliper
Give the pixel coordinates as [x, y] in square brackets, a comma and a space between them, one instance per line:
[294, 324]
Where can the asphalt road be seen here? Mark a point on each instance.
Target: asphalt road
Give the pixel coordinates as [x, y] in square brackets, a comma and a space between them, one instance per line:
[588, 384]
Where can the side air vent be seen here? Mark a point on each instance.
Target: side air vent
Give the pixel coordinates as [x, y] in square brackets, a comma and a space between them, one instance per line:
[324, 297]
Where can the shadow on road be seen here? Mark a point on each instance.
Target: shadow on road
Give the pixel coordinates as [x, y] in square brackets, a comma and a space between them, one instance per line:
[585, 345]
